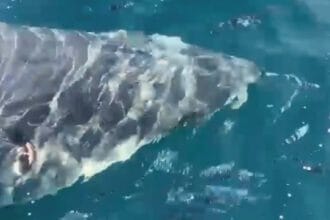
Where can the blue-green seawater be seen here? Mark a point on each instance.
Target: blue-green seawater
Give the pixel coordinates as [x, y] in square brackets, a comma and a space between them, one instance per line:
[271, 157]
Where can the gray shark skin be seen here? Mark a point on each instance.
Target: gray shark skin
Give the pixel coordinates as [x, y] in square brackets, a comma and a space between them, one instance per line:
[72, 103]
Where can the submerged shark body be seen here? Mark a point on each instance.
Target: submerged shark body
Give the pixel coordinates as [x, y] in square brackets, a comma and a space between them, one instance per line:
[72, 103]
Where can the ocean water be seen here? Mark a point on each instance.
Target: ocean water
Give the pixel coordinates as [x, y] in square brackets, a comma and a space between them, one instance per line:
[270, 159]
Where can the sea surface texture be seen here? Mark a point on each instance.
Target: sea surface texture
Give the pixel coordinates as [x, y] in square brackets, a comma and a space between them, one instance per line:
[268, 160]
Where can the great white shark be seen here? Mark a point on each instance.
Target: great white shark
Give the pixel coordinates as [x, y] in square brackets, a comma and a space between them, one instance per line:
[72, 102]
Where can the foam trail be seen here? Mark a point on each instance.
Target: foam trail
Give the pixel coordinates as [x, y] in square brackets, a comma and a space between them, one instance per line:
[288, 104]
[300, 85]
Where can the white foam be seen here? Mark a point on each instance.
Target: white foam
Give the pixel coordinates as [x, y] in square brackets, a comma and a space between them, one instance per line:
[170, 44]
[146, 91]
[9, 47]
[94, 49]
[75, 215]
[93, 52]
[169, 47]
[300, 83]
[164, 161]
[271, 74]
[221, 169]
[239, 98]
[228, 125]
[227, 195]
[121, 152]
[244, 175]
[16, 169]
[190, 82]
[180, 195]
[59, 35]
[298, 134]
[288, 104]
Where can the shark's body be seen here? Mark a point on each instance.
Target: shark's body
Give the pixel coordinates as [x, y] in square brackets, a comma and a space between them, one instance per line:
[86, 100]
